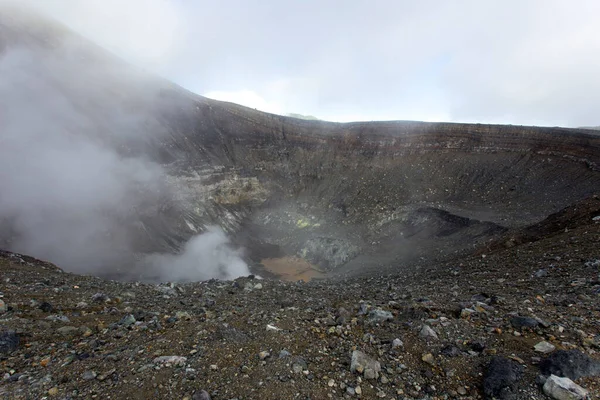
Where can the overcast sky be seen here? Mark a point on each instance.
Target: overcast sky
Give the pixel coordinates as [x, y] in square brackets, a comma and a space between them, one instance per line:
[518, 62]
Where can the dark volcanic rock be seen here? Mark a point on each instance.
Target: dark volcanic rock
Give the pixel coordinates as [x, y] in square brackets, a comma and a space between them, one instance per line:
[9, 341]
[501, 378]
[519, 322]
[572, 364]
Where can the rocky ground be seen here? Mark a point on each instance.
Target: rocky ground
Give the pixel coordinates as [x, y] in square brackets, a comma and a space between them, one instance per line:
[494, 324]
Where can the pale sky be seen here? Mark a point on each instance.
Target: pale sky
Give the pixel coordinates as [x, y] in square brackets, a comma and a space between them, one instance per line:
[534, 62]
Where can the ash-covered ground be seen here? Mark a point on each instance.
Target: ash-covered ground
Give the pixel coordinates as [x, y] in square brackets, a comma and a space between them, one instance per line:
[494, 324]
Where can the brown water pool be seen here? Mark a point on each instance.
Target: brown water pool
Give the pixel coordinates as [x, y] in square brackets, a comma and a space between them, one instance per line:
[292, 269]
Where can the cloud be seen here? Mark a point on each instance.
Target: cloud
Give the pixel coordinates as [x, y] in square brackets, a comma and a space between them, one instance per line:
[529, 61]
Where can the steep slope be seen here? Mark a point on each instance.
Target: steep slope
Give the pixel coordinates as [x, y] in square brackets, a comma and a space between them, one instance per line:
[348, 198]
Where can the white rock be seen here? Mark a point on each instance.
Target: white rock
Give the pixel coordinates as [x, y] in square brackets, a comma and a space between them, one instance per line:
[273, 328]
[177, 361]
[544, 347]
[564, 389]
[3, 306]
[397, 343]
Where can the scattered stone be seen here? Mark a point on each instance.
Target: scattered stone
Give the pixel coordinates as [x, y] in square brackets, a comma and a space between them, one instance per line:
[68, 330]
[284, 354]
[127, 320]
[451, 351]
[593, 264]
[105, 375]
[428, 333]
[58, 318]
[540, 273]
[264, 355]
[365, 365]
[3, 307]
[397, 343]
[46, 307]
[9, 341]
[53, 391]
[183, 315]
[89, 375]
[572, 364]
[379, 315]
[500, 378]
[273, 328]
[201, 395]
[176, 361]
[100, 298]
[429, 359]
[564, 389]
[519, 322]
[544, 347]
[299, 365]
[258, 286]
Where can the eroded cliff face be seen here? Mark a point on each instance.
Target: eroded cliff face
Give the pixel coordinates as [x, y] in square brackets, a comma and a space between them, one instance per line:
[352, 197]
[347, 198]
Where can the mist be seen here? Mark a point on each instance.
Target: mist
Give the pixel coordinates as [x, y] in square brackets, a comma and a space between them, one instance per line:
[75, 183]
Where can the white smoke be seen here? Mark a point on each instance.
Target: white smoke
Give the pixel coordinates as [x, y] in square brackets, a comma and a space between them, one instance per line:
[71, 190]
[203, 257]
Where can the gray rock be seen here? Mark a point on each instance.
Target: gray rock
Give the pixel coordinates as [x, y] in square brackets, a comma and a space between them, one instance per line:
[68, 330]
[428, 333]
[284, 354]
[501, 378]
[397, 343]
[3, 306]
[541, 273]
[572, 364]
[544, 347]
[451, 351]
[299, 365]
[564, 389]
[379, 315]
[127, 320]
[58, 318]
[89, 375]
[519, 322]
[592, 264]
[100, 298]
[365, 365]
[9, 341]
[176, 361]
[183, 315]
[201, 395]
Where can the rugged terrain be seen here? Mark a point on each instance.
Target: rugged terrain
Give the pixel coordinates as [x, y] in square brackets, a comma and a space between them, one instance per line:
[71, 336]
[440, 254]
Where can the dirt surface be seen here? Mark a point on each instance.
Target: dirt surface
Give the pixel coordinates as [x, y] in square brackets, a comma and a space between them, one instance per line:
[269, 339]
